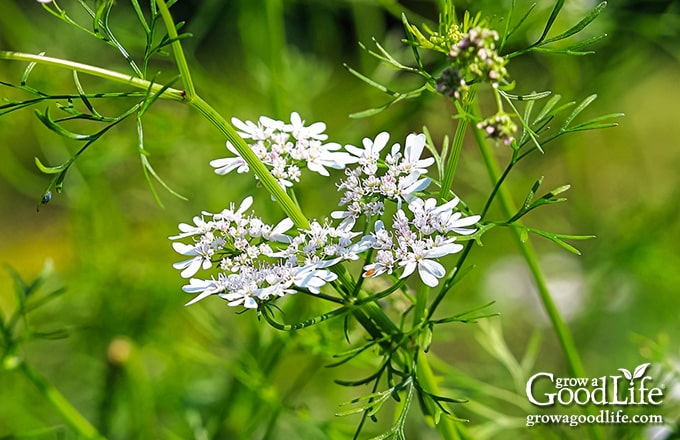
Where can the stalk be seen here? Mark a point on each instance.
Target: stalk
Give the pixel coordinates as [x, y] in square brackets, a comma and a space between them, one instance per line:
[562, 332]
[61, 404]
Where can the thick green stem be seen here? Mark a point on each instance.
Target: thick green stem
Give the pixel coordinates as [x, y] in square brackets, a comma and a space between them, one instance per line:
[448, 429]
[70, 414]
[169, 93]
[256, 166]
[456, 147]
[180, 59]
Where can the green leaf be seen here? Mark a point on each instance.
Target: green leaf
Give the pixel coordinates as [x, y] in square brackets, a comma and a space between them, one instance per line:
[597, 123]
[531, 194]
[585, 103]
[546, 113]
[529, 97]
[410, 33]
[51, 170]
[559, 239]
[551, 20]
[592, 15]
[369, 81]
[83, 96]
[399, 97]
[52, 125]
[28, 70]
[521, 21]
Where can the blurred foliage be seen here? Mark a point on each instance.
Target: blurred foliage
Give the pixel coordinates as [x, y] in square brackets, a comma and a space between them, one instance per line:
[140, 365]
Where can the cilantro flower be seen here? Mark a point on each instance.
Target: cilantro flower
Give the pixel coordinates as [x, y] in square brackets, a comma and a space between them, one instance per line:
[240, 258]
[285, 148]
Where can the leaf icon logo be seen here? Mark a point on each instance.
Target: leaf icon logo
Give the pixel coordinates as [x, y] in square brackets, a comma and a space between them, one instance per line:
[636, 374]
[640, 371]
[627, 374]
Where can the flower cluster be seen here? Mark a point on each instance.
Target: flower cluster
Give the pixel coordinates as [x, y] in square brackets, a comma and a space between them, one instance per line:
[499, 126]
[417, 242]
[476, 52]
[258, 262]
[473, 59]
[369, 185]
[284, 149]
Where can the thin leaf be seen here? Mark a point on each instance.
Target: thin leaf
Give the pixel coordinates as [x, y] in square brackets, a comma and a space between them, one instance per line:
[51, 170]
[578, 27]
[585, 103]
[528, 97]
[596, 122]
[82, 95]
[545, 111]
[369, 81]
[52, 125]
[551, 20]
[519, 23]
[28, 70]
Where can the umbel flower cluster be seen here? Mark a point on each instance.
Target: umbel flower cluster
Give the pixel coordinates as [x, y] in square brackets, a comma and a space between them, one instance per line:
[382, 220]
[473, 58]
[284, 149]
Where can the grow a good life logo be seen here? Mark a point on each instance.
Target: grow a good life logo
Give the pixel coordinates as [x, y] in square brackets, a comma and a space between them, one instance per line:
[631, 388]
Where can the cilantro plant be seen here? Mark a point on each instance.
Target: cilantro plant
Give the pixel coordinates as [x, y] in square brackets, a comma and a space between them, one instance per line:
[397, 230]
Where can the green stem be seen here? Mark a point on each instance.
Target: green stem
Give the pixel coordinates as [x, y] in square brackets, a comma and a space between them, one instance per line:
[72, 416]
[448, 429]
[507, 204]
[260, 170]
[180, 59]
[563, 333]
[169, 93]
[457, 147]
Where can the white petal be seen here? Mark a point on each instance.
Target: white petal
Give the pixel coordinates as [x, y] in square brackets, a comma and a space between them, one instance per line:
[380, 141]
[184, 249]
[192, 267]
[245, 204]
[278, 233]
[414, 146]
[446, 249]
[409, 267]
[430, 271]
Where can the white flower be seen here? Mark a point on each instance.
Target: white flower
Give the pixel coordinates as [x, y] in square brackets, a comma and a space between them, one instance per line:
[278, 232]
[285, 148]
[412, 151]
[228, 164]
[204, 288]
[201, 227]
[321, 156]
[369, 155]
[430, 271]
[297, 128]
[312, 279]
[200, 254]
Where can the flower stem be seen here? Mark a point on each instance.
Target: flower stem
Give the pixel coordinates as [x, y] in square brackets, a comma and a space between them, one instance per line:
[72, 416]
[448, 429]
[457, 146]
[168, 93]
[562, 332]
[177, 51]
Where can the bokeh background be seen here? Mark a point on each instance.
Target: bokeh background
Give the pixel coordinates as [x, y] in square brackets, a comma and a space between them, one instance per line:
[139, 364]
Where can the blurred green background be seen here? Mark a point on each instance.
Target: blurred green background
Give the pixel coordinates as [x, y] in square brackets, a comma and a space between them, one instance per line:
[139, 364]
